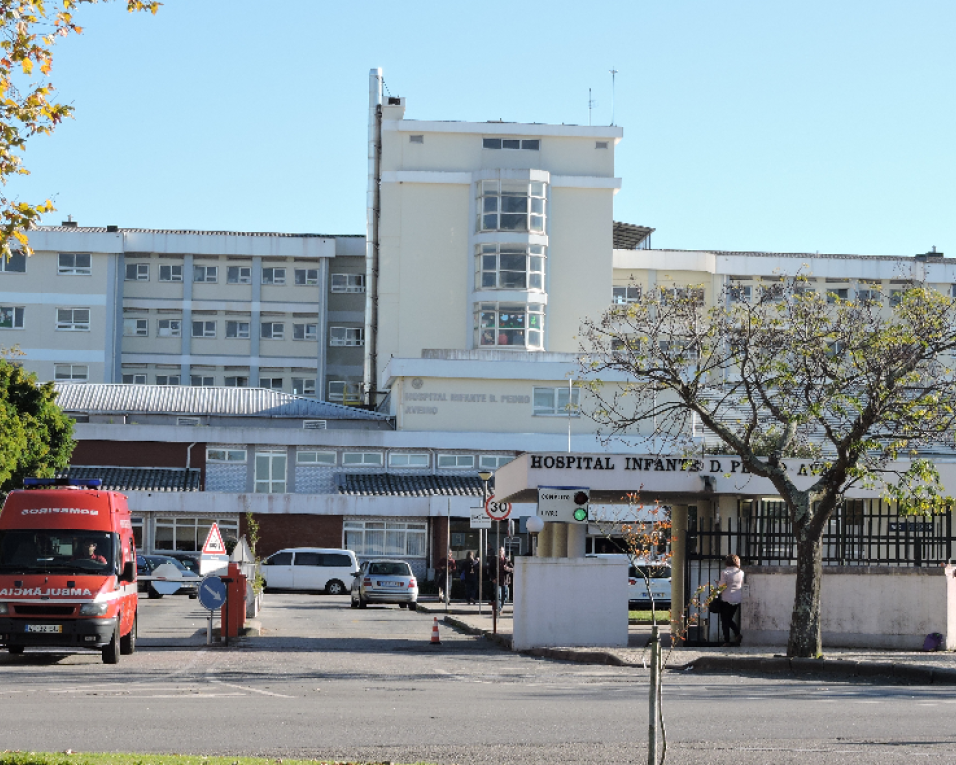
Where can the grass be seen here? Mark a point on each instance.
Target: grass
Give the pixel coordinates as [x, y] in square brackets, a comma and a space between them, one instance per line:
[644, 617]
[76, 758]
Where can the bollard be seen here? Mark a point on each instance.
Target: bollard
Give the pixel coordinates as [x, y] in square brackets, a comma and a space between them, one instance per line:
[234, 612]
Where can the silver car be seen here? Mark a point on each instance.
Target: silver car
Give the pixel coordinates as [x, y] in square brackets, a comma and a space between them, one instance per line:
[384, 580]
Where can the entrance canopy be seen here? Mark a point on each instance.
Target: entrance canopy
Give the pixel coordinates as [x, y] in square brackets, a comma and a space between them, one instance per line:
[610, 477]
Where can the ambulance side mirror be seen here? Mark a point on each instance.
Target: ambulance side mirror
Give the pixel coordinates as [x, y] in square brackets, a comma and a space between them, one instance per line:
[129, 572]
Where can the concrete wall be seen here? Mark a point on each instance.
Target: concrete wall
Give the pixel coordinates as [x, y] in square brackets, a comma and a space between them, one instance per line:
[569, 602]
[862, 607]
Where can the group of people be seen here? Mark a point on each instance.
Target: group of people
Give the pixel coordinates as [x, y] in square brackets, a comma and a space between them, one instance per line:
[498, 572]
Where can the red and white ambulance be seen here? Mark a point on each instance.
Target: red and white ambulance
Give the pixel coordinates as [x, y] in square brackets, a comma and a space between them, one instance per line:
[67, 569]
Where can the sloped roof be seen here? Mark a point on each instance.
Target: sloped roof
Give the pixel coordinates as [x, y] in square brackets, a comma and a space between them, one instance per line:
[195, 400]
[139, 479]
[627, 236]
[389, 485]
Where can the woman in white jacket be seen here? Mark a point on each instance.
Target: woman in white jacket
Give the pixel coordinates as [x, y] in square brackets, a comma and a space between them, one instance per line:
[730, 584]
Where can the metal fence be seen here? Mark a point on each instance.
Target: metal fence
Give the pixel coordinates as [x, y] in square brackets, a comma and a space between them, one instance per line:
[860, 533]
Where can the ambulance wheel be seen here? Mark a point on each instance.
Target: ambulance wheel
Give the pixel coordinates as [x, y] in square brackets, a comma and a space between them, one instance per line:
[153, 595]
[111, 651]
[15, 649]
[128, 642]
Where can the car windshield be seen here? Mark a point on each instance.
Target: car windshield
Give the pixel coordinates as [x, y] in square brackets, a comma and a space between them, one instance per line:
[159, 560]
[654, 572]
[389, 569]
[75, 551]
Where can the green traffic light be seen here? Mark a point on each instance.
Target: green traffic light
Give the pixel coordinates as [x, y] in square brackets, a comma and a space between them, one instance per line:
[580, 514]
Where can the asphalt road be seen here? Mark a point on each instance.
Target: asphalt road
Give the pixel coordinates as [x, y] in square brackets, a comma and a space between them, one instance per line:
[327, 681]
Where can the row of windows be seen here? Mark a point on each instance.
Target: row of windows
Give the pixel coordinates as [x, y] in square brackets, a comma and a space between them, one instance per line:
[374, 538]
[139, 272]
[368, 459]
[234, 329]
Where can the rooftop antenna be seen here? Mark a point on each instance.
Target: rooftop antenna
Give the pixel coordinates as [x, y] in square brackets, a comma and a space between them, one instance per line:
[591, 104]
[614, 73]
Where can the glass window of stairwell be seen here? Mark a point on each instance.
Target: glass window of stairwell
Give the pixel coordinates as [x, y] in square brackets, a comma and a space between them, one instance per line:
[512, 206]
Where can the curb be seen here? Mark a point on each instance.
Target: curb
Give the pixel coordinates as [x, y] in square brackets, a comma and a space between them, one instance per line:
[913, 674]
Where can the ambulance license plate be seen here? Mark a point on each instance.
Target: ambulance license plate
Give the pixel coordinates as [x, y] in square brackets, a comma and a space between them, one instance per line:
[44, 628]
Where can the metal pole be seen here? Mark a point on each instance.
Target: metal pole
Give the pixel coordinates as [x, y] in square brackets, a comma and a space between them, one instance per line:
[494, 625]
[447, 551]
[653, 711]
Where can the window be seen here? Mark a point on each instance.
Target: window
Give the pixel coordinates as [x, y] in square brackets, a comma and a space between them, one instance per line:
[170, 273]
[189, 534]
[74, 265]
[402, 460]
[73, 319]
[513, 325]
[206, 274]
[344, 392]
[509, 267]
[305, 331]
[202, 381]
[273, 276]
[362, 458]
[511, 206]
[346, 336]
[528, 144]
[71, 373]
[204, 329]
[136, 379]
[740, 293]
[624, 295]
[834, 294]
[348, 282]
[137, 272]
[374, 538]
[15, 264]
[601, 144]
[167, 379]
[457, 461]
[272, 330]
[11, 317]
[554, 401]
[225, 455]
[170, 328]
[869, 296]
[270, 472]
[306, 276]
[135, 327]
[303, 386]
[416, 139]
[272, 383]
[188, 422]
[239, 329]
[315, 424]
[493, 461]
[239, 275]
[896, 297]
[237, 381]
[315, 458]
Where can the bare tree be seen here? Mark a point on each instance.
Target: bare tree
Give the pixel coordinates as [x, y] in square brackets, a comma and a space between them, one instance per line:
[774, 370]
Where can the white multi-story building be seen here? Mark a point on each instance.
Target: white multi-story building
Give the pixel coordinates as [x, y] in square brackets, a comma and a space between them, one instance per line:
[280, 311]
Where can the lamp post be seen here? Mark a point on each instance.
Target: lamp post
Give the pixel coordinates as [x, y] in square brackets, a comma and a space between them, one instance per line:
[485, 476]
[535, 525]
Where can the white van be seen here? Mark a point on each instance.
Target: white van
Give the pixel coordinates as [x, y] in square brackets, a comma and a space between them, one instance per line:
[310, 568]
[637, 595]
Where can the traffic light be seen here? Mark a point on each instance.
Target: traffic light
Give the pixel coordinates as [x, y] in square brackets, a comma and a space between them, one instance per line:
[581, 506]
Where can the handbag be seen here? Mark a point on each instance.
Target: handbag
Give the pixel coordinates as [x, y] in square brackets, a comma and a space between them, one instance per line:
[714, 605]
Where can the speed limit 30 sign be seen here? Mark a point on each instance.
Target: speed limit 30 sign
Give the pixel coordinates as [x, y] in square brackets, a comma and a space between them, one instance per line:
[497, 511]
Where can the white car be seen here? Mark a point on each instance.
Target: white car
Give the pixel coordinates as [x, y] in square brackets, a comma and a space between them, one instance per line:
[318, 569]
[638, 597]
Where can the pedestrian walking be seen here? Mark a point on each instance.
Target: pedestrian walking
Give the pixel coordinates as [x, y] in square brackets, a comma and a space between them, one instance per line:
[470, 568]
[730, 587]
[500, 566]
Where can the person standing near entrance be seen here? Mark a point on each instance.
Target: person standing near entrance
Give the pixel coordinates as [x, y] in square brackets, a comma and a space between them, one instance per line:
[469, 575]
[730, 586]
[445, 573]
[501, 565]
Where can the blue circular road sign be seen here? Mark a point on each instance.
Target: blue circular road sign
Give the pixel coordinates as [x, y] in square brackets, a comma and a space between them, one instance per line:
[212, 593]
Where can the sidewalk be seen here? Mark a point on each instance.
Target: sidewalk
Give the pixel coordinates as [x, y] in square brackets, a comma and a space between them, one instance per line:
[912, 667]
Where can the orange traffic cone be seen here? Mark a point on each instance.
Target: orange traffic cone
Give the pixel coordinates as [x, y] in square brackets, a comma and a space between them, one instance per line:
[435, 638]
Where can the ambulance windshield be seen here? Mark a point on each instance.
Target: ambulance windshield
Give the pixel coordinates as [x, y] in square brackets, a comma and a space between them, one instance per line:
[66, 551]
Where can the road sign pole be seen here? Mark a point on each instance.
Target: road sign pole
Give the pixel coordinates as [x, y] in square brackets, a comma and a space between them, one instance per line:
[494, 622]
[482, 554]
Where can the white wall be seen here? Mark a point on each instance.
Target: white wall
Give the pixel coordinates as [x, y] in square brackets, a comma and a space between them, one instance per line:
[861, 607]
[569, 602]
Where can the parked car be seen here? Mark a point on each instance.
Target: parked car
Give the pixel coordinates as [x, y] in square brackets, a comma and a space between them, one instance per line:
[310, 568]
[383, 580]
[637, 595]
[189, 560]
[159, 575]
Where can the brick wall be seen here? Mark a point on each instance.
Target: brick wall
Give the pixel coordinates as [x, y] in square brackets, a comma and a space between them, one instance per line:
[296, 530]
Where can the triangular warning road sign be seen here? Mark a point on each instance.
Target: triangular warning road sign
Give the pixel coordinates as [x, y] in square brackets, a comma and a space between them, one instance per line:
[214, 544]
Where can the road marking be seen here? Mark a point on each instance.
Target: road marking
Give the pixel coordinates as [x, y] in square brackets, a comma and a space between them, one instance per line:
[252, 690]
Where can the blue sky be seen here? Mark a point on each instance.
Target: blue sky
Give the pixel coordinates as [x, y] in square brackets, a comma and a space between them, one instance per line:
[785, 126]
